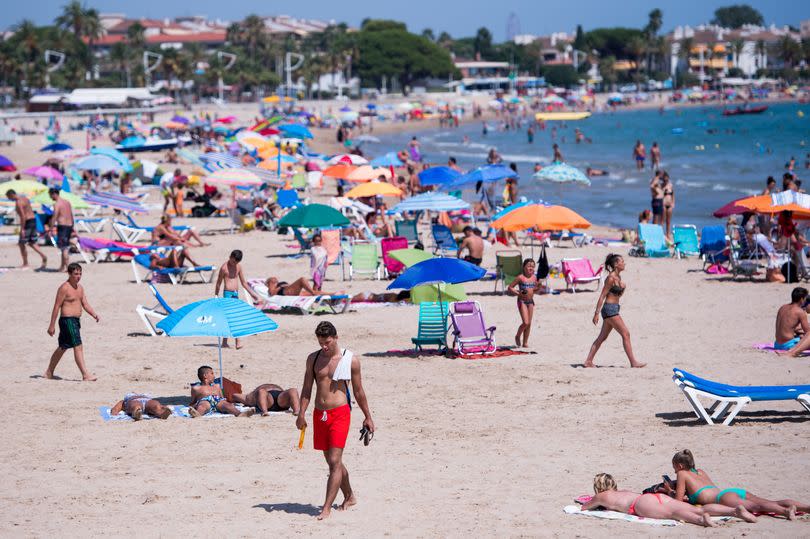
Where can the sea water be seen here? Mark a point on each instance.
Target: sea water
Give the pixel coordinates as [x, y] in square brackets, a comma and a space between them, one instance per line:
[712, 159]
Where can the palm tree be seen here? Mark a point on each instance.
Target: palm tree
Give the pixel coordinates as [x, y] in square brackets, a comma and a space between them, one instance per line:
[762, 54]
[635, 48]
[607, 68]
[73, 17]
[737, 47]
[655, 20]
[120, 56]
[26, 34]
[789, 51]
[685, 47]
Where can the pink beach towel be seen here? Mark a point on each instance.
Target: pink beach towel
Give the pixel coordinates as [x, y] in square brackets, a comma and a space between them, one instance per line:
[768, 347]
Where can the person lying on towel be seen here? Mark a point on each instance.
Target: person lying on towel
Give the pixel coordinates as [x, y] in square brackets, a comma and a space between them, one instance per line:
[207, 397]
[137, 404]
[301, 287]
[270, 398]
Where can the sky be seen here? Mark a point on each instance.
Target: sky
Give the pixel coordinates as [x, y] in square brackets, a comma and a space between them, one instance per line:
[459, 18]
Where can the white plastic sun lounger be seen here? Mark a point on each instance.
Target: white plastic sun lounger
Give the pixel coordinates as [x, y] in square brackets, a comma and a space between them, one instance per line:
[158, 312]
[306, 304]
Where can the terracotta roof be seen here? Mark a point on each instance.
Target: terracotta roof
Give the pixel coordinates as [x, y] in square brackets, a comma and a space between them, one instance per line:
[200, 37]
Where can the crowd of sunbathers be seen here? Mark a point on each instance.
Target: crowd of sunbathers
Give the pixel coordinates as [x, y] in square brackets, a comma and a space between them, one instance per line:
[692, 497]
[208, 397]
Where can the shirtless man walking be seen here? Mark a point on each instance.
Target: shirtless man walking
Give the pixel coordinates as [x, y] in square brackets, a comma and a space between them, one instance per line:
[792, 335]
[331, 368]
[28, 227]
[62, 218]
[474, 245]
[230, 278]
[70, 300]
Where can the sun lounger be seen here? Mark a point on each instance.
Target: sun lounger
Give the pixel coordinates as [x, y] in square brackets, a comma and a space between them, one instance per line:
[392, 267]
[92, 226]
[306, 304]
[174, 275]
[364, 260]
[726, 401]
[432, 326]
[470, 333]
[131, 232]
[158, 312]
[653, 240]
[102, 249]
[508, 265]
[443, 241]
[713, 247]
[579, 271]
[685, 238]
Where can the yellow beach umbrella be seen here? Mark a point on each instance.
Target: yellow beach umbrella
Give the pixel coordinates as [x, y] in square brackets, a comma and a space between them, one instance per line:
[76, 202]
[541, 217]
[22, 187]
[372, 189]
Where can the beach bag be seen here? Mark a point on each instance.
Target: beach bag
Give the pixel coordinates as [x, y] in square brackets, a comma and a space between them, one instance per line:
[542, 265]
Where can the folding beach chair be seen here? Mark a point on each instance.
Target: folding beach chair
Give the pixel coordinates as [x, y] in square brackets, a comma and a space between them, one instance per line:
[336, 304]
[364, 260]
[653, 240]
[740, 265]
[407, 229]
[580, 271]
[470, 334]
[158, 312]
[304, 243]
[443, 240]
[392, 267]
[330, 239]
[685, 238]
[174, 275]
[713, 246]
[508, 265]
[726, 401]
[432, 326]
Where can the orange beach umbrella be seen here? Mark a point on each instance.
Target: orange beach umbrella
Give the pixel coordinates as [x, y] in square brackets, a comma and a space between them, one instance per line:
[371, 189]
[541, 217]
[764, 204]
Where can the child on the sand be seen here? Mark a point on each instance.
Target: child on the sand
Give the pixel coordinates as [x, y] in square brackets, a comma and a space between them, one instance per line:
[207, 397]
[701, 489]
[654, 505]
[137, 404]
[229, 278]
[525, 283]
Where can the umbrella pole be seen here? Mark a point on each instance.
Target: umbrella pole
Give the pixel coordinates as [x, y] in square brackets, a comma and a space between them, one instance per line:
[221, 379]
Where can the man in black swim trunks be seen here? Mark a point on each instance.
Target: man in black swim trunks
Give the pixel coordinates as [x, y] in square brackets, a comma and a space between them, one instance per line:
[474, 245]
[61, 225]
[28, 226]
[270, 398]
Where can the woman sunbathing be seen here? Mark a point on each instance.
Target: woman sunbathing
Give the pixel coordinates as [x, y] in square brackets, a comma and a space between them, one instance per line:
[137, 404]
[654, 505]
[171, 260]
[701, 489]
[301, 287]
[164, 234]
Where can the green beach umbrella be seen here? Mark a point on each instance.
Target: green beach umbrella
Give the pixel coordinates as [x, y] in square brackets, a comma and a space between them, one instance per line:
[314, 216]
[22, 187]
[409, 257]
[76, 202]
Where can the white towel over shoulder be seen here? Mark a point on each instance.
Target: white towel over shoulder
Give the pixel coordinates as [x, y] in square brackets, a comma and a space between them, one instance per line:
[343, 371]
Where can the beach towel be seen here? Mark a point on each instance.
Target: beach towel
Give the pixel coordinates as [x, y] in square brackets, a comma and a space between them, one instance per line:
[768, 347]
[104, 411]
[615, 515]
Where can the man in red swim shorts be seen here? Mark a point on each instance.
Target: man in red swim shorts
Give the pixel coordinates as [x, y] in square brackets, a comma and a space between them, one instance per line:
[331, 368]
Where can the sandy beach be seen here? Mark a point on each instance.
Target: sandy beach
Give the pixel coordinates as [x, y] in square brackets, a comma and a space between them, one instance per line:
[494, 446]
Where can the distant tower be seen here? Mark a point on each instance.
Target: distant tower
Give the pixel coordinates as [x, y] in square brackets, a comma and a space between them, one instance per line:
[512, 27]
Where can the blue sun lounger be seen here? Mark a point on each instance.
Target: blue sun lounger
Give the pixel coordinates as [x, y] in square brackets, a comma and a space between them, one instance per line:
[175, 275]
[726, 401]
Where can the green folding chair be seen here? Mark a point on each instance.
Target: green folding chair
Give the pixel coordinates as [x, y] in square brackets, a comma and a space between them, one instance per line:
[299, 181]
[407, 229]
[364, 260]
[508, 265]
[432, 326]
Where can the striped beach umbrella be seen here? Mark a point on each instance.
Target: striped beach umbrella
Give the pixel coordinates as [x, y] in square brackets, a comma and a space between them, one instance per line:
[234, 177]
[562, 173]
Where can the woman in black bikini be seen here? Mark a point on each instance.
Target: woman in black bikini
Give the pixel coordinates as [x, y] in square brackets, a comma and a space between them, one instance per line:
[525, 283]
[611, 319]
[669, 203]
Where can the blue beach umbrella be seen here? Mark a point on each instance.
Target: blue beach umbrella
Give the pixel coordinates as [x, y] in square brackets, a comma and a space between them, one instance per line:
[56, 147]
[296, 131]
[486, 174]
[116, 155]
[438, 271]
[217, 317]
[431, 201]
[438, 176]
[562, 173]
[388, 160]
[102, 163]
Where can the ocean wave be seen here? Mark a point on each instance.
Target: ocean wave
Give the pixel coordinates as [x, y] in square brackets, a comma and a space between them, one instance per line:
[686, 183]
[722, 187]
[631, 180]
[523, 158]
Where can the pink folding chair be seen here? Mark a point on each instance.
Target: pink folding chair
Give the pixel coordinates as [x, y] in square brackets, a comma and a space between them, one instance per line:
[392, 267]
[470, 334]
[579, 271]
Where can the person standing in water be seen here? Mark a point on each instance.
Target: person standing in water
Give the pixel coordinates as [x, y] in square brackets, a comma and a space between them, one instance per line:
[655, 156]
[669, 202]
[657, 194]
[523, 287]
[639, 154]
[558, 156]
[608, 301]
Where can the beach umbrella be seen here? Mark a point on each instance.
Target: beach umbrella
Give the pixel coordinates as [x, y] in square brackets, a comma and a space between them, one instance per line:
[108, 200]
[391, 159]
[431, 201]
[345, 108]
[438, 175]
[508, 209]
[541, 217]
[6, 165]
[339, 171]
[233, 177]
[371, 189]
[314, 216]
[366, 173]
[101, 163]
[49, 173]
[553, 100]
[438, 271]
[119, 157]
[76, 202]
[562, 173]
[486, 174]
[732, 208]
[174, 125]
[409, 257]
[180, 119]
[347, 159]
[268, 131]
[22, 187]
[295, 130]
[764, 204]
[217, 317]
[56, 147]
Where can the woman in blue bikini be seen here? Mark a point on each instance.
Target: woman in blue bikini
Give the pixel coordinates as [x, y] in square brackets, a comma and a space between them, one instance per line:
[608, 306]
[525, 284]
[700, 489]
